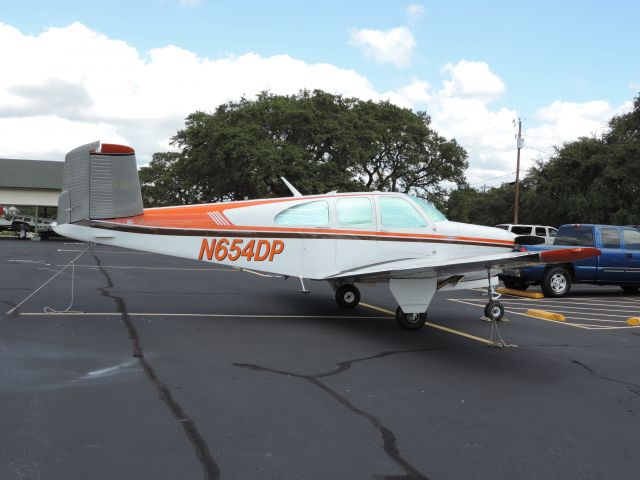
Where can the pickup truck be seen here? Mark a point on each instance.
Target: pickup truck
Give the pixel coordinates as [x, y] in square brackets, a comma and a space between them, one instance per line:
[618, 264]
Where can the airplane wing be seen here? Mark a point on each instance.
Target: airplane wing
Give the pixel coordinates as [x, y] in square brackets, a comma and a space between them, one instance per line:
[435, 266]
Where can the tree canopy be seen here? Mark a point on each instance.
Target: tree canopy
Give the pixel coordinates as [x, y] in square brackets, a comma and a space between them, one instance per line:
[590, 180]
[317, 140]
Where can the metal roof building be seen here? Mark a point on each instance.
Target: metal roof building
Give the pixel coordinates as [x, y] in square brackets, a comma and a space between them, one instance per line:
[30, 182]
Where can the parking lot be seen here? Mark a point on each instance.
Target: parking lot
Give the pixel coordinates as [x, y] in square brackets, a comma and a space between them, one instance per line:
[132, 365]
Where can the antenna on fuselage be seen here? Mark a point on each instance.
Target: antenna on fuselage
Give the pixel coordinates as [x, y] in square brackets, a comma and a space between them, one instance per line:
[295, 192]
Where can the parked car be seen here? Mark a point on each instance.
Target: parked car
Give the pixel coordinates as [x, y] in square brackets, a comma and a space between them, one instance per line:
[547, 233]
[24, 224]
[5, 224]
[618, 264]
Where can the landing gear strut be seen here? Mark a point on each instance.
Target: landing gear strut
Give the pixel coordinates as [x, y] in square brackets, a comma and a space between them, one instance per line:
[348, 296]
[410, 321]
[493, 310]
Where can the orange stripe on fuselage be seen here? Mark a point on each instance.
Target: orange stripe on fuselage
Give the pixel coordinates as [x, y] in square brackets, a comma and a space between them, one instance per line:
[196, 217]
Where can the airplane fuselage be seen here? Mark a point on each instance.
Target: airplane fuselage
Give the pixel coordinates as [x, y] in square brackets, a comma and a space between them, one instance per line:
[313, 237]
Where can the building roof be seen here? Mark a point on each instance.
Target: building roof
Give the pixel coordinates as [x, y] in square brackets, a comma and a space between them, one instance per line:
[30, 174]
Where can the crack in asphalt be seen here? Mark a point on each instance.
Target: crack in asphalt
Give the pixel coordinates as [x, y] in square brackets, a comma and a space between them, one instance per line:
[389, 440]
[633, 387]
[209, 466]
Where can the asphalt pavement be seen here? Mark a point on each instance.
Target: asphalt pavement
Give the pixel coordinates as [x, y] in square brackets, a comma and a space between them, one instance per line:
[127, 365]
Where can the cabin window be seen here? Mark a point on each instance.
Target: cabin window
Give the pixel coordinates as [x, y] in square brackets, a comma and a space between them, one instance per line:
[307, 214]
[396, 212]
[631, 239]
[610, 237]
[355, 212]
[430, 210]
[541, 231]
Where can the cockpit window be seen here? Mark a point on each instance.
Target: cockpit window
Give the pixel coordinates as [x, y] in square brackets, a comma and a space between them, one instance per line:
[355, 212]
[397, 212]
[307, 214]
[430, 210]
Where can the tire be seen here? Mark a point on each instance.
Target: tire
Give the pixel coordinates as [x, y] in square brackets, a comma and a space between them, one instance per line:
[348, 296]
[556, 282]
[497, 308]
[410, 321]
[510, 282]
[630, 288]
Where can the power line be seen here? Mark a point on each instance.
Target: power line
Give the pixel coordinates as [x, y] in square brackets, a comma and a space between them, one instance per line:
[490, 179]
[538, 150]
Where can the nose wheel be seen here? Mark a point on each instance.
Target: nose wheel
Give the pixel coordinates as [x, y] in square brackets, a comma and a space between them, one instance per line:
[494, 310]
[347, 296]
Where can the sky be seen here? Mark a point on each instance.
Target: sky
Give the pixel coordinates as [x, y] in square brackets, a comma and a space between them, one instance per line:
[129, 72]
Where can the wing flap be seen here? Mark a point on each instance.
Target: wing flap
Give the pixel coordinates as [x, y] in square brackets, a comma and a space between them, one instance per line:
[436, 266]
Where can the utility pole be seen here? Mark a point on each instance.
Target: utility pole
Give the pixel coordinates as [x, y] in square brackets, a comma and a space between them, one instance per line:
[520, 144]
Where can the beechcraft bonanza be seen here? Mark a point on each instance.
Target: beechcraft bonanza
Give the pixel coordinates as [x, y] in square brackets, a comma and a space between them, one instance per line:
[341, 238]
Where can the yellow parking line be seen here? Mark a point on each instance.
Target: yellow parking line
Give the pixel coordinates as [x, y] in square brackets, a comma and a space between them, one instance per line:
[486, 341]
[380, 309]
[467, 302]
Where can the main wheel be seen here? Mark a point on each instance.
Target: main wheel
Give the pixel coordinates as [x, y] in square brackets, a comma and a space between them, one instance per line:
[348, 296]
[510, 282]
[556, 282]
[494, 310]
[410, 321]
[630, 288]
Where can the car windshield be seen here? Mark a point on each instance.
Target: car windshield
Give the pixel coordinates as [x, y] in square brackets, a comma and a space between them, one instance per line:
[432, 213]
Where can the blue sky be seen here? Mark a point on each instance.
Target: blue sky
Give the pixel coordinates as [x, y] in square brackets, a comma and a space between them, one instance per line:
[528, 55]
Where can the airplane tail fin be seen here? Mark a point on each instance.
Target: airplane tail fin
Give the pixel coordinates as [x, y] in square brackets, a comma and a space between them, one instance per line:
[99, 181]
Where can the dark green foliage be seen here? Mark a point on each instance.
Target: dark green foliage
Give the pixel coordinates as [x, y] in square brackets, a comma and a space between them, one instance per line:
[318, 141]
[491, 208]
[590, 180]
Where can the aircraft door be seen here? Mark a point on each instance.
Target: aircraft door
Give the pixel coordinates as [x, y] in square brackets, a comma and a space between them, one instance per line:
[397, 220]
[355, 220]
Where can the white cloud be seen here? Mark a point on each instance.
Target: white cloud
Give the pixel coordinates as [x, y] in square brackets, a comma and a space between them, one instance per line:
[72, 85]
[472, 80]
[461, 109]
[191, 3]
[415, 11]
[69, 86]
[393, 46]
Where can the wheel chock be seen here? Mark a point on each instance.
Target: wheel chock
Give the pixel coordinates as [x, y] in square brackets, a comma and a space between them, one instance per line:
[557, 317]
[519, 293]
[633, 321]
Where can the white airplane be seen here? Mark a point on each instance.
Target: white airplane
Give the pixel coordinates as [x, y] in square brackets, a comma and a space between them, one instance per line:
[340, 238]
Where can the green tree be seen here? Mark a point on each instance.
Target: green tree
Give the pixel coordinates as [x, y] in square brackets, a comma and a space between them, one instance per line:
[319, 141]
[163, 184]
[590, 180]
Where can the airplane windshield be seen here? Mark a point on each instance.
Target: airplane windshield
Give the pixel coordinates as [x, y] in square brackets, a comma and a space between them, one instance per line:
[429, 210]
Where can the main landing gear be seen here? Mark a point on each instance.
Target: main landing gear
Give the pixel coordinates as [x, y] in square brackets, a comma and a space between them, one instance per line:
[410, 321]
[348, 296]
